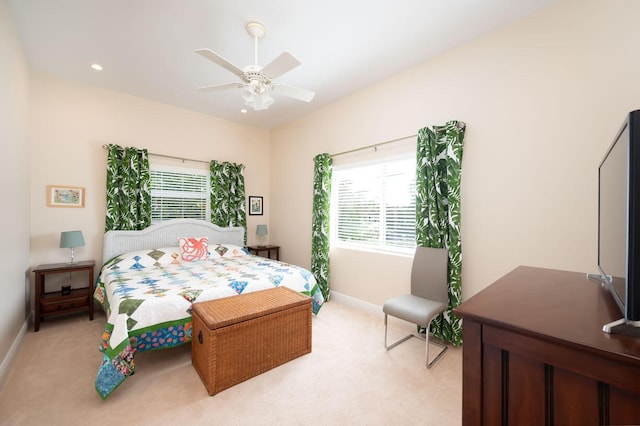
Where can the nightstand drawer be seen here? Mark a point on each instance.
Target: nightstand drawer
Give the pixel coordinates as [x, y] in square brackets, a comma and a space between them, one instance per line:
[62, 304]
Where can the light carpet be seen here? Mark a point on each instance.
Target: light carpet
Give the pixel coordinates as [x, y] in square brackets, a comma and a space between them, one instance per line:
[348, 379]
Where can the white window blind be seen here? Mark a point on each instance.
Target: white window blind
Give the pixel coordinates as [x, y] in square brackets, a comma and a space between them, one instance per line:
[373, 205]
[179, 193]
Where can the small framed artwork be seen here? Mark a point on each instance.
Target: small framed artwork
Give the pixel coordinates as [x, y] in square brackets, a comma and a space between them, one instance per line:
[65, 196]
[255, 205]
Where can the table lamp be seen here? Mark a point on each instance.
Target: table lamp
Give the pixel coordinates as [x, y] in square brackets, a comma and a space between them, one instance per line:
[261, 232]
[71, 240]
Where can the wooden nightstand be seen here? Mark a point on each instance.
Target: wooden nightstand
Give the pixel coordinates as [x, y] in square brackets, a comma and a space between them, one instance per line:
[55, 303]
[269, 249]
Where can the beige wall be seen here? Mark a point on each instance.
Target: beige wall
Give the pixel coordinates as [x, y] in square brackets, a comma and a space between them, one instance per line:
[542, 100]
[71, 122]
[14, 184]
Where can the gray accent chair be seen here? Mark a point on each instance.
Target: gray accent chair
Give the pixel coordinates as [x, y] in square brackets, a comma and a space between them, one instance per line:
[429, 296]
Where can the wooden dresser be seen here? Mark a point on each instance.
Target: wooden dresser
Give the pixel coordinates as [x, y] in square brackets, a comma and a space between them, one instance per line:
[534, 353]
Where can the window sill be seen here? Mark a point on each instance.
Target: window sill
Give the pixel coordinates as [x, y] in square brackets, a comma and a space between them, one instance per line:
[373, 250]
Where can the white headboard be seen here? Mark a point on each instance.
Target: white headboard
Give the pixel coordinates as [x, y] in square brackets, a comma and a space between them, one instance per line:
[166, 234]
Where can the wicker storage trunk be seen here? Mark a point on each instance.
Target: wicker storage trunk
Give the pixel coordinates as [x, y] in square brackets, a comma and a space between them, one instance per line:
[239, 337]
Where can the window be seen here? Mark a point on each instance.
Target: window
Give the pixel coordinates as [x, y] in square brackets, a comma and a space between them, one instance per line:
[179, 193]
[373, 205]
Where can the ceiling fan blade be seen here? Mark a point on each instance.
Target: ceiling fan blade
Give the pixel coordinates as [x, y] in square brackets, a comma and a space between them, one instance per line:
[280, 65]
[214, 57]
[293, 92]
[220, 87]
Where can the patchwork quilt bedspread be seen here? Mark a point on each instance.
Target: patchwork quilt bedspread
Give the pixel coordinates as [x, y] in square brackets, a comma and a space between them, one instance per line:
[148, 297]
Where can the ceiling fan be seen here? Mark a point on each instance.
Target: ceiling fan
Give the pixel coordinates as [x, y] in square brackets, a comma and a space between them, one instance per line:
[258, 82]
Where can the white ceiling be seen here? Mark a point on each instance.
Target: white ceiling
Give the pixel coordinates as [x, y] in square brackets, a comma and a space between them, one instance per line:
[147, 46]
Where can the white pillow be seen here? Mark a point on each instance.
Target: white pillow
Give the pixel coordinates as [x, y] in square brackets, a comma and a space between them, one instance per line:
[142, 259]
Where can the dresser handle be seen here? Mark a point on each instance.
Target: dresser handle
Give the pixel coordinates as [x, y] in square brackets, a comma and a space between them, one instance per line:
[200, 336]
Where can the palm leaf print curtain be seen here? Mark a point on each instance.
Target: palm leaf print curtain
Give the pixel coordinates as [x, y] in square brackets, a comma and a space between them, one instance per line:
[227, 195]
[438, 173]
[128, 189]
[320, 221]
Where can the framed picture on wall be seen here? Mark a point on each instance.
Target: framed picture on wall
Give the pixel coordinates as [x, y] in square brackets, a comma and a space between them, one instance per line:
[65, 196]
[255, 205]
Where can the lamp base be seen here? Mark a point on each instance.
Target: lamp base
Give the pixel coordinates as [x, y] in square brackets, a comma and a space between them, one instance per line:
[72, 261]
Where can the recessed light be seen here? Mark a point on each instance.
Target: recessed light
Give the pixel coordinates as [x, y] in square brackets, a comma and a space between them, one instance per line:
[244, 111]
[96, 67]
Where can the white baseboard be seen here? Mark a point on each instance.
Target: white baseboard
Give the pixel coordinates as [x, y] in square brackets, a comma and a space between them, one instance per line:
[357, 303]
[7, 362]
[372, 309]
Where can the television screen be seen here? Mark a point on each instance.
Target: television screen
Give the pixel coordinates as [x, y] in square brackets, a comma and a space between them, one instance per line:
[619, 224]
[612, 230]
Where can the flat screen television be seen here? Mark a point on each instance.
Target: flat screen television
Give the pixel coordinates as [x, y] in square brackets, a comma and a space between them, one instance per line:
[619, 223]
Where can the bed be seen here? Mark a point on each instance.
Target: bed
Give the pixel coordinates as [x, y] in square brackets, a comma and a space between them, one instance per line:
[151, 278]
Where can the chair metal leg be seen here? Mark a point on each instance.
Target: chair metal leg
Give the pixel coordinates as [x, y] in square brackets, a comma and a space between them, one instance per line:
[442, 351]
[393, 345]
[425, 338]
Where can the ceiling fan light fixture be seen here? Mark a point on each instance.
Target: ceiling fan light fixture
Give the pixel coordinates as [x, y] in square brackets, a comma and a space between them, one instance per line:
[262, 101]
[257, 95]
[247, 93]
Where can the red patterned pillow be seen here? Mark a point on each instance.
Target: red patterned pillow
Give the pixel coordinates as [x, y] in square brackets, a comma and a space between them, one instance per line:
[193, 249]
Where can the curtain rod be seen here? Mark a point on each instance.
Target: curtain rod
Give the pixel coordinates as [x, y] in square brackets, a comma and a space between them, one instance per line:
[169, 156]
[376, 145]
